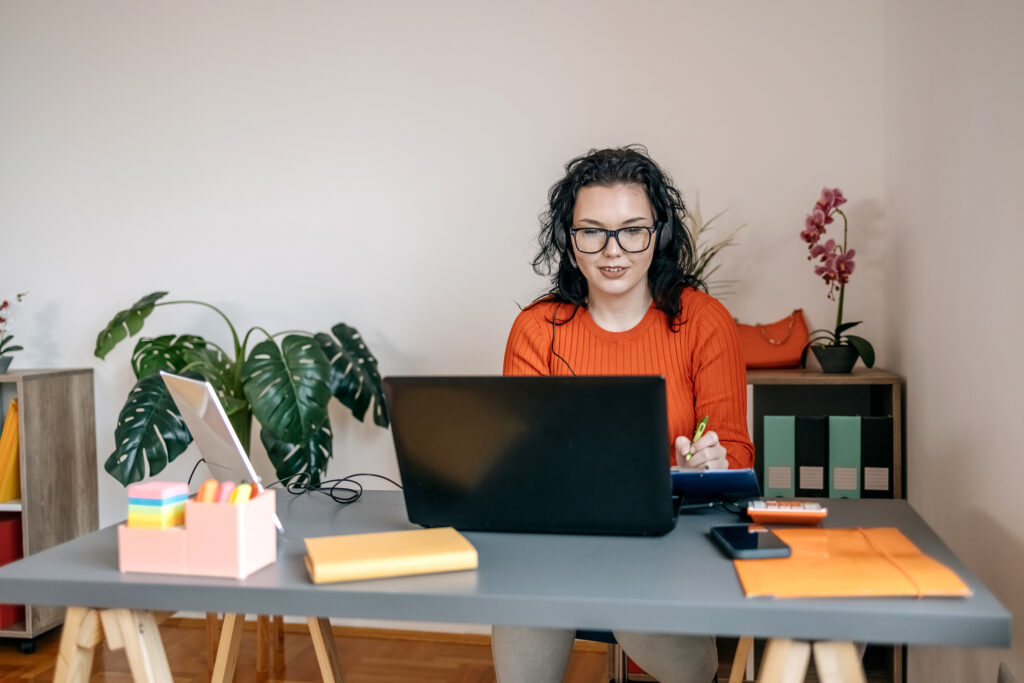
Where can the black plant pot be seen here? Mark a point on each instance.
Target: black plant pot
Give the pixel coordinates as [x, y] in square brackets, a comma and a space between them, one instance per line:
[836, 359]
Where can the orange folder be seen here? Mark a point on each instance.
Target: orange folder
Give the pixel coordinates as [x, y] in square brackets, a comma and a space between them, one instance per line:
[834, 563]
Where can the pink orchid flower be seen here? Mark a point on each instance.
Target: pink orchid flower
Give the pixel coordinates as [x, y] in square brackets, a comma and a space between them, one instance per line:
[811, 235]
[823, 250]
[831, 199]
[844, 266]
[827, 271]
[813, 229]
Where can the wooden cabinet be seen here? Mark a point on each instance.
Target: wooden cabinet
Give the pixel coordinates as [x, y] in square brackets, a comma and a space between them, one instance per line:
[864, 392]
[57, 451]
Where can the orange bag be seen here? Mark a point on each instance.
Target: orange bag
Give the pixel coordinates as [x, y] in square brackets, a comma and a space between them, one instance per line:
[776, 345]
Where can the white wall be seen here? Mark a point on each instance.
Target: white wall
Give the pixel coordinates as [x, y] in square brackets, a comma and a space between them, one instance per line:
[954, 143]
[383, 164]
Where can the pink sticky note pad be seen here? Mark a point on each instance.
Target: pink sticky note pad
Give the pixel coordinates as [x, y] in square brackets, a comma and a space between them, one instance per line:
[157, 490]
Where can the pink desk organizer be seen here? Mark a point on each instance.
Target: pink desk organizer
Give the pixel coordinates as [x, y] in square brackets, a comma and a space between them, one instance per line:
[218, 539]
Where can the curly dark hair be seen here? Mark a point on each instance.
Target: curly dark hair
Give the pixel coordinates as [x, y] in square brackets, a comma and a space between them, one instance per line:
[671, 269]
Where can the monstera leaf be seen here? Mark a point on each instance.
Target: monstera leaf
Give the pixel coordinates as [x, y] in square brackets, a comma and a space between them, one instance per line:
[354, 379]
[167, 352]
[310, 455]
[149, 429]
[217, 369]
[286, 386]
[126, 322]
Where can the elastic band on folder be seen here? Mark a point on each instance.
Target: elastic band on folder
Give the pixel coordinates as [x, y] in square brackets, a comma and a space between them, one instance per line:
[892, 561]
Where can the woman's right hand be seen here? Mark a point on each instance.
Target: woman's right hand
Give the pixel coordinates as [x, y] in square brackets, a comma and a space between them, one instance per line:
[707, 453]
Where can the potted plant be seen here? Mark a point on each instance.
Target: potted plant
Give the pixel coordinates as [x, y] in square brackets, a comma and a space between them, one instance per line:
[835, 350]
[706, 252]
[285, 381]
[7, 346]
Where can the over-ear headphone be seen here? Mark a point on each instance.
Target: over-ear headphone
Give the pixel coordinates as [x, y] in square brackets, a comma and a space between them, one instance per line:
[664, 236]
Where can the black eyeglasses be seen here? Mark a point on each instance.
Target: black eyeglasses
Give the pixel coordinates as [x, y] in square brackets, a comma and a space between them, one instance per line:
[593, 240]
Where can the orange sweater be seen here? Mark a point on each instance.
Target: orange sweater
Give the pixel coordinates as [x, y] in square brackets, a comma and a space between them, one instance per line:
[701, 363]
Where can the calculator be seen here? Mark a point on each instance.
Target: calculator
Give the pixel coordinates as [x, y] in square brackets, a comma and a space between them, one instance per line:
[786, 512]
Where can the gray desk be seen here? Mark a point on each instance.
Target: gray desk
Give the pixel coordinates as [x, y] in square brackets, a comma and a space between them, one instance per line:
[677, 583]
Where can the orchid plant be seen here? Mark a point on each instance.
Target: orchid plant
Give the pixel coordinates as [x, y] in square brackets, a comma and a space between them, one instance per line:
[6, 339]
[835, 264]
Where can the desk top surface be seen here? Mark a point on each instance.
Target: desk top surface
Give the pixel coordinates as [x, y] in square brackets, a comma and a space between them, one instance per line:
[676, 583]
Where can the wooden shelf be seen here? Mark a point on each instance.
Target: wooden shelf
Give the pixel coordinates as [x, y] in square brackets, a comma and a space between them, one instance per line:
[802, 377]
[57, 454]
[15, 630]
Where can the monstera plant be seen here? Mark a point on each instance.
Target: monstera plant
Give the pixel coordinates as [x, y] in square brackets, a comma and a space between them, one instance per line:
[286, 385]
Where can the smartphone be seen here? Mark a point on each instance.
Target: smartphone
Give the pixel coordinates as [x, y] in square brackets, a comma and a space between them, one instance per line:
[749, 541]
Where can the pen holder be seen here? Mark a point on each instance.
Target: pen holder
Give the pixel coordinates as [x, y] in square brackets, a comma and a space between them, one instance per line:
[218, 539]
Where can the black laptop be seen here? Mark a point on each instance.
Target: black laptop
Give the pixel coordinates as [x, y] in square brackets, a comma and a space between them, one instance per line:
[570, 455]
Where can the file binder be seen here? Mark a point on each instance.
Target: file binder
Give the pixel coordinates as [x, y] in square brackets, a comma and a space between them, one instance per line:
[811, 464]
[779, 455]
[876, 445]
[844, 456]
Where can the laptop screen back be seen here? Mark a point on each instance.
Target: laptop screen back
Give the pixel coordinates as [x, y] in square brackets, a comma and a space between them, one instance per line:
[534, 454]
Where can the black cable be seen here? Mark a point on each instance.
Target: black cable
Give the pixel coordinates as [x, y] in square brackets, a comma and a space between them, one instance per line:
[735, 506]
[334, 489]
[554, 319]
[196, 466]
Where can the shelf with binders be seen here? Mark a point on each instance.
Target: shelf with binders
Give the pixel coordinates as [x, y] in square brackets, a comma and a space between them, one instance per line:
[817, 423]
[823, 435]
[52, 497]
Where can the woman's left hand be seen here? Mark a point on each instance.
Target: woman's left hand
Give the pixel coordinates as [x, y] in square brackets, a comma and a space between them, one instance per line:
[708, 453]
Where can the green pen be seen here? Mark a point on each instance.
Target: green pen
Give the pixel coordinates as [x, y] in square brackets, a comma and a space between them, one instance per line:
[697, 434]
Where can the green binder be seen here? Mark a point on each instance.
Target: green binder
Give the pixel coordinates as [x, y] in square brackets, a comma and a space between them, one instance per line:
[844, 456]
[779, 455]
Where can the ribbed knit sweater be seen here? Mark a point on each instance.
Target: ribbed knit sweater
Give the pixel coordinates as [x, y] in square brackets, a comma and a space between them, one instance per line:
[701, 362]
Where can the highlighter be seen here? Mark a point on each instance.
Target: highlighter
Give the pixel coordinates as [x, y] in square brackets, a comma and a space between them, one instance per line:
[224, 492]
[241, 494]
[697, 433]
[207, 492]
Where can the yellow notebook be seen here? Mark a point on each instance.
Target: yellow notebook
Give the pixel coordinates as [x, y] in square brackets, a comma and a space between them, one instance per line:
[389, 553]
[10, 472]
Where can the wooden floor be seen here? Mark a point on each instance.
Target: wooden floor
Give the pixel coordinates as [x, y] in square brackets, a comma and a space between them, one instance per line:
[367, 656]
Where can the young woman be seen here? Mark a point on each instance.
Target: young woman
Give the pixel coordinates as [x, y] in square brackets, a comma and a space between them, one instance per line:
[624, 301]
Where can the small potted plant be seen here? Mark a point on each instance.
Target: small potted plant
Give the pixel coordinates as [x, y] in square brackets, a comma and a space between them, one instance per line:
[7, 346]
[836, 351]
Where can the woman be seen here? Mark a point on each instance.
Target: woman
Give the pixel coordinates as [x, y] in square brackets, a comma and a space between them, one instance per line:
[625, 302]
